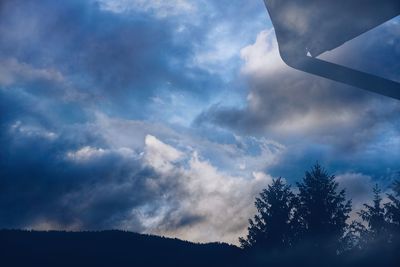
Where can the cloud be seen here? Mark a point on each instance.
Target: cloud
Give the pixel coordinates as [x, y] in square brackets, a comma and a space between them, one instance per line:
[159, 8]
[12, 71]
[159, 155]
[88, 153]
[305, 112]
[217, 203]
[31, 131]
[262, 57]
[85, 178]
[228, 151]
[110, 58]
[358, 188]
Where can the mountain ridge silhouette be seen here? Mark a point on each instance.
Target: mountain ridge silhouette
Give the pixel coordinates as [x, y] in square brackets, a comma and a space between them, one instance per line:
[108, 248]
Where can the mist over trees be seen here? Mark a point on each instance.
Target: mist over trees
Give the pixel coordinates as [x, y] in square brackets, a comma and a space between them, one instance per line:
[310, 224]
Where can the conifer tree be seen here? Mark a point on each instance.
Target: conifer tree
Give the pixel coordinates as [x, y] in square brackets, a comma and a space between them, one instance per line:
[271, 227]
[393, 212]
[374, 216]
[323, 209]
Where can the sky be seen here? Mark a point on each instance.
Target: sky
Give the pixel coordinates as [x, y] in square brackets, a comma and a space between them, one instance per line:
[168, 117]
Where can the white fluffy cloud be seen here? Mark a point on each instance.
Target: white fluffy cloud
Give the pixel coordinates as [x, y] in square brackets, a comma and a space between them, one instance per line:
[219, 203]
[159, 155]
[240, 156]
[262, 57]
[154, 180]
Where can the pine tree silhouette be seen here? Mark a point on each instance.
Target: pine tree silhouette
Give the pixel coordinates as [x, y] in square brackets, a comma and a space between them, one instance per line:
[272, 227]
[322, 209]
[374, 216]
[393, 212]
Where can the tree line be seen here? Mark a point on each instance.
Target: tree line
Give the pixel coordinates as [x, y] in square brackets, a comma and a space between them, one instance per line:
[312, 223]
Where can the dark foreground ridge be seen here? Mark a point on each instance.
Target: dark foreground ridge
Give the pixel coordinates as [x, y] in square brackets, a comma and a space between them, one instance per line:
[119, 249]
[108, 248]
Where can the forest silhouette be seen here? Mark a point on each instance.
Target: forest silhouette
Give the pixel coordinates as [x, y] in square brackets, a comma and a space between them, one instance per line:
[306, 225]
[313, 228]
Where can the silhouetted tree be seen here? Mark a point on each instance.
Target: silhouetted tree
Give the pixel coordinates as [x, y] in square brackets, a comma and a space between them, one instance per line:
[396, 187]
[354, 239]
[272, 227]
[393, 211]
[374, 216]
[322, 209]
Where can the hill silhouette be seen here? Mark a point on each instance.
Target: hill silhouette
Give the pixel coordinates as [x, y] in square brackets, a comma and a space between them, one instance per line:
[108, 248]
[120, 249]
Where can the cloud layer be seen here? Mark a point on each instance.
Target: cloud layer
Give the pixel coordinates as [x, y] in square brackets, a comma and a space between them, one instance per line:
[168, 117]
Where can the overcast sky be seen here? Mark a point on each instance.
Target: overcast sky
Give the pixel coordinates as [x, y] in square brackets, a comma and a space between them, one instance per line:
[169, 116]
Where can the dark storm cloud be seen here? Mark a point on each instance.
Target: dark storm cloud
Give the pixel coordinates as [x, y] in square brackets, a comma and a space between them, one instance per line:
[107, 57]
[57, 58]
[37, 179]
[49, 180]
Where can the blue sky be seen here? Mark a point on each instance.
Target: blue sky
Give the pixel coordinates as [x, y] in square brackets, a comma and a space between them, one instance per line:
[168, 117]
